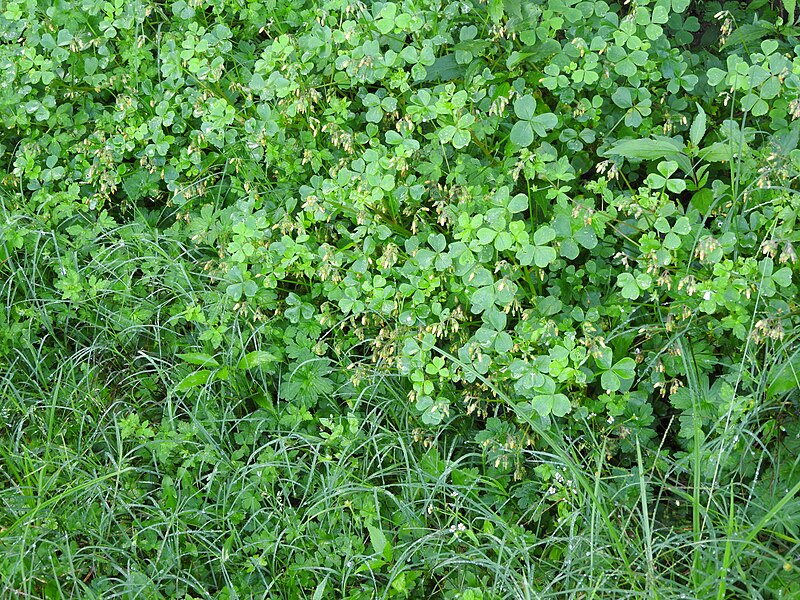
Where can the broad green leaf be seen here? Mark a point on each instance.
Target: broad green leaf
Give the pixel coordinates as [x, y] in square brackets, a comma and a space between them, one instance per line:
[193, 380]
[630, 289]
[610, 381]
[199, 358]
[543, 256]
[522, 134]
[784, 377]
[461, 139]
[503, 241]
[586, 237]
[378, 541]
[255, 359]
[544, 235]
[645, 149]
[622, 97]
[437, 241]
[482, 299]
[525, 107]
[518, 203]
[604, 358]
[543, 123]
[783, 277]
[547, 404]
[625, 368]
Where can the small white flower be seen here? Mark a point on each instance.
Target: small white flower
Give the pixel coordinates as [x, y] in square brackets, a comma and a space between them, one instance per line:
[707, 295]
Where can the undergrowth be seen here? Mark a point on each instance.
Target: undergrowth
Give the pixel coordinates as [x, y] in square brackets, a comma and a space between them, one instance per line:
[399, 299]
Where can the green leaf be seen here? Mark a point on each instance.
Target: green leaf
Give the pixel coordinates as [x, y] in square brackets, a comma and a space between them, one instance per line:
[784, 377]
[783, 277]
[378, 541]
[790, 6]
[482, 299]
[461, 139]
[630, 289]
[525, 107]
[256, 358]
[546, 404]
[604, 358]
[586, 237]
[672, 241]
[518, 203]
[503, 241]
[522, 134]
[698, 128]
[625, 368]
[198, 358]
[193, 380]
[543, 123]
[90, 64]
[543, 256]
[622, 97]
[438, 242]
[610, 381]
[645, 149]
[544, 235]
[626, 67]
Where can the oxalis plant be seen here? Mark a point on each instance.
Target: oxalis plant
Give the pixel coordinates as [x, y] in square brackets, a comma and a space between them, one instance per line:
[545, 253]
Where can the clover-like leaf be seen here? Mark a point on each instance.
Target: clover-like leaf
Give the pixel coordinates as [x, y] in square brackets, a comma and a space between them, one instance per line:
[632, 287]
[529, 123]
[623, 370]
[547, 404]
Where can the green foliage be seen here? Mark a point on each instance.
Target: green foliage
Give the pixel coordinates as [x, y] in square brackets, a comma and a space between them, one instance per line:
[564, 227]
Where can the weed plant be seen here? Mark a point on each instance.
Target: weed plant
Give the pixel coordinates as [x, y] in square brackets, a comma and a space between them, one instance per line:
[399, 299]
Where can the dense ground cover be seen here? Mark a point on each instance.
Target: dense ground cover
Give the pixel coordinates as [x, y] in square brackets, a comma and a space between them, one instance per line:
[410, 299]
